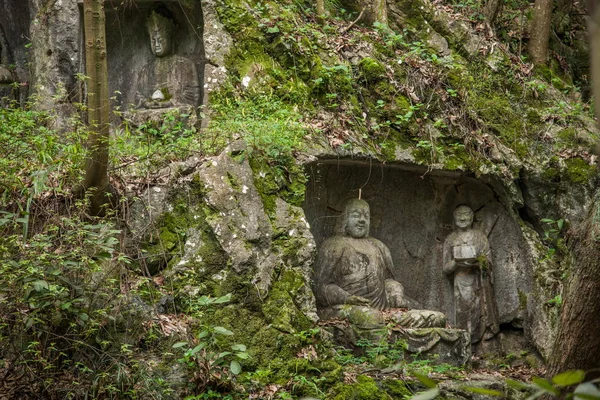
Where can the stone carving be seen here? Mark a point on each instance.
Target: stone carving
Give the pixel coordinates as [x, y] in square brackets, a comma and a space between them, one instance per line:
[9, 90]
[169, 79]
[467, 259]
[353, 277]
[6, 76]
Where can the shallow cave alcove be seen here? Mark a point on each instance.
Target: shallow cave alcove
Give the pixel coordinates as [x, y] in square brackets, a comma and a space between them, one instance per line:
[411, 212]
[128, 43]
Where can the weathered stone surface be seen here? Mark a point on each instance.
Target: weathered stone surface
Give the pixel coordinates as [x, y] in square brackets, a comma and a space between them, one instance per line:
[217, 44]
[460, 390]
[14, 33]
[450, 346]
[222, 231]
[238, 218]
[56, 57]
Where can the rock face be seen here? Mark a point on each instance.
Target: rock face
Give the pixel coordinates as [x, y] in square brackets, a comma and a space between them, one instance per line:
[212, 224]
[56, 55]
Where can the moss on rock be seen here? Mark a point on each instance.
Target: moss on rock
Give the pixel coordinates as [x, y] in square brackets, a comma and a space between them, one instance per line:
[365, 388]
[279, 308]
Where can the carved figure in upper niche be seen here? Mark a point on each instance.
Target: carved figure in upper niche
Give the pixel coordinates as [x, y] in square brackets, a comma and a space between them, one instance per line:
[467, 258]
[169, 79]
[353, 275]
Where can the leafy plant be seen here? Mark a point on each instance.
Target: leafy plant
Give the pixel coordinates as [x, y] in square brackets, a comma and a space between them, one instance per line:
[552, 228]
[212, 366]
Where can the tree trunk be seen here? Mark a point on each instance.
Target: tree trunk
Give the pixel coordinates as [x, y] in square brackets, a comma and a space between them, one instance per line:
[491, 9]
[540, 31]
[594, 35]
[320, 7]
[96, 173]
[578, 342]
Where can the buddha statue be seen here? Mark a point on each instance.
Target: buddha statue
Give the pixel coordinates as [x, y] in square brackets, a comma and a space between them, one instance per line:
[468, 261]
[168, 80]
[353, 277]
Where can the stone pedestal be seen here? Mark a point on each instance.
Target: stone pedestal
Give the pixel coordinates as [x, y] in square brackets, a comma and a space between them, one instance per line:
[440, 345]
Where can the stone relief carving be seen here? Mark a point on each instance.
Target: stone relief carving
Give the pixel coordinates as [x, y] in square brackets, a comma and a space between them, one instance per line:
[467, 260]
[353, 277]
[6, 75]
[169, 79]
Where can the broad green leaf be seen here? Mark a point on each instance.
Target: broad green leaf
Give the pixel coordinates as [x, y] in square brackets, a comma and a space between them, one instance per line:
[536, 395]
[222, 331]
[428, 395]
[179, 344]
[544, 385]
[517, 385]
[547, 220]
[222, 299]
[197, 348]
[560, 223]
[83, 317]
[40, 285]
[587, 391]
[273, 29]
[425, 380]
[569, 378]
[223, 354]
[238, 347]
[480, 390]
[203, 334]
[243, 356]
[235, 367]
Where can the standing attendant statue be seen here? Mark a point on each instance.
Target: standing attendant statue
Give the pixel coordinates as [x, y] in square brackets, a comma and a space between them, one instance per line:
[467, 258]
[353, 276]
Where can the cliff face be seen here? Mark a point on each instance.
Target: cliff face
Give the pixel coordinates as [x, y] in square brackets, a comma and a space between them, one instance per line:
[427, 112]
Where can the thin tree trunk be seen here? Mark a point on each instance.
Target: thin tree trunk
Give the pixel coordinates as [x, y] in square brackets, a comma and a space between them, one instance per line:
[96, 173]
[540, 31]
[320, 7]
[491, 9]
[594, 36]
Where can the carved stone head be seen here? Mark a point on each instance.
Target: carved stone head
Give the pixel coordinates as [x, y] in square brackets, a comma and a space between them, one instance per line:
[160, 29]
[357, 218]
[463, 217]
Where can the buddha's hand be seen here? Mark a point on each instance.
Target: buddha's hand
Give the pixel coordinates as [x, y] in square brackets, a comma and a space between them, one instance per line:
[467, 263]
[358, 301]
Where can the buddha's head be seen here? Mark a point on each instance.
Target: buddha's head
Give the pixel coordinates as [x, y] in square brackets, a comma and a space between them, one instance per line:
[357, 218]
[160, 29]
[463, 217]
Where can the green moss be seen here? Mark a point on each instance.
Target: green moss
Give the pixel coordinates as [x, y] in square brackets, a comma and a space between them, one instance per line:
[396, 389]
[568, 135]
[522, 299]
[579, 171]
[371, 69]
[166, 242]
[365, 388]
[279, 308]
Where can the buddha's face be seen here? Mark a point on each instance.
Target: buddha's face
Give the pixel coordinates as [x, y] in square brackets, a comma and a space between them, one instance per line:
[160, 42]
[463, 217]
[358, 219]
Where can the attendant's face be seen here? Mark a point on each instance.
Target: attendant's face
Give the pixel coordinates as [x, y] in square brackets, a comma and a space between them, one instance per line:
[357, 222]
[160, 43]
[463, 217]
